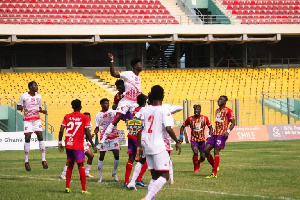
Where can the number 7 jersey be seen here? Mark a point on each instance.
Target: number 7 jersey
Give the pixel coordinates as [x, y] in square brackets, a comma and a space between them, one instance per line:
[75, 124]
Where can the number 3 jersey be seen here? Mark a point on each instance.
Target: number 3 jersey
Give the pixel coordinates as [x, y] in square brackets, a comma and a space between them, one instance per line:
[223, 116]
[75, 124]
[155, 120]
[102, 120]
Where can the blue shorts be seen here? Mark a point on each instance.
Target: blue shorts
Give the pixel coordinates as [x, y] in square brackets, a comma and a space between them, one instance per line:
[217, 141]
[75, 155]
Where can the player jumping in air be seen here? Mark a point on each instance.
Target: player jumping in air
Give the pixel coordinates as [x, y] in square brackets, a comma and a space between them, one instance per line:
[218, 138]
[132, 84]
[197, 124]
[87, 152]
[31, 102]
[156, 120]
[111, 142]
[77, 126]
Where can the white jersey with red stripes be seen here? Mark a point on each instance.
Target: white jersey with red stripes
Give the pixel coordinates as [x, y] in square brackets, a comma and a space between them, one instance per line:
[132, 84]
[31, 105]
[102, 120]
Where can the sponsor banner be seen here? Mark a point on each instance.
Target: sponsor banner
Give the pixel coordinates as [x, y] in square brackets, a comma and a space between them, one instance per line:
[16, 140]
[248, 133]
[284, 132]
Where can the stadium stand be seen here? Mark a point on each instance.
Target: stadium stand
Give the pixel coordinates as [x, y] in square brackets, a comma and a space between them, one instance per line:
[264, 11]
[205, 85]
[57, 89]
[92, 12]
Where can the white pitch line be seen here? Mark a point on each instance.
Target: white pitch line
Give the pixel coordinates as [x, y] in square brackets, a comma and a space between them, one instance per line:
[178, 189]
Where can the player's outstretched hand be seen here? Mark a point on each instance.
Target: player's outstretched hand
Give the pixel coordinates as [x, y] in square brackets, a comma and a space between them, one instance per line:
[95, 149]
[110, 56]
[60, 148]
[178, 147]
[44, 112]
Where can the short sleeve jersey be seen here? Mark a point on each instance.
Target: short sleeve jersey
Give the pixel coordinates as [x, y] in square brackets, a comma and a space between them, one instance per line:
[223, 117]
[197, 125]
[75, 124]
[117, 98]
[155, 120]
[130, 134]
[31, 105]
[132, 84]
[103, 119]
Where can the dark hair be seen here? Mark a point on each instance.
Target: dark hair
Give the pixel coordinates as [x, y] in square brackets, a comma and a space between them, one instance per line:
[135, 61]
[103, 100]
[150, 98]
[225, 97]
[157, 93]
[196, 105]
[119, 82]
[141, 99]
[31, 84]
[87, 113]
[76, 104]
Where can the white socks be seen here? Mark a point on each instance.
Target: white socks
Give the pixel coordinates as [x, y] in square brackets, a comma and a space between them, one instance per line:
[116, 164]
[171, 171]
[26, 150]
[88, 168]
[65, 170]
[43, 150]
[137, 170]
[155, 187]
[100, 168]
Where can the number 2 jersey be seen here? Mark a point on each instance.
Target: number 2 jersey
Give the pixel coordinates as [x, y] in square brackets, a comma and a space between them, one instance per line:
[102, 120]
[75, 124]
[223, 116]
[155, 120]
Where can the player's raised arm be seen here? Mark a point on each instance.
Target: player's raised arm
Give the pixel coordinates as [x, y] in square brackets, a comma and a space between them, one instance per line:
[89, 138]
[113, 73]
[173, 136]
[60, 136]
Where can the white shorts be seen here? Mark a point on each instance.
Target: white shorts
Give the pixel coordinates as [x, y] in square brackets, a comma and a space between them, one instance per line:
[86, 146]
[126, 105]
[158, 162]
[110, 145]
[34, 126]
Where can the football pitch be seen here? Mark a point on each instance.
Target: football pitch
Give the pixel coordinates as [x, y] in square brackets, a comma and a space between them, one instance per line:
[248, 170]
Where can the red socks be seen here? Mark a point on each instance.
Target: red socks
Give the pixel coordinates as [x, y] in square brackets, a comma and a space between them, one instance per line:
[210, 159]
[144, 168]
[216, 164]
[82, 177]
[128, 171]
[196, 165]
[69, 175]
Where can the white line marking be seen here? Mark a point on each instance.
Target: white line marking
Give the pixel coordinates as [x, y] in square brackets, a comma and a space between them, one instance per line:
[178, 189]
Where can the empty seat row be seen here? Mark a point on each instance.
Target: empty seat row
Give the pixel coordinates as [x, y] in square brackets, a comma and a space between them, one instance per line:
[272, 21]
[264, 2]
[269, 7]
[85, 1]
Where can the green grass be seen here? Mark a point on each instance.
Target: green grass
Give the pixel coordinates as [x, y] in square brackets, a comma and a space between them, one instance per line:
[248, 170]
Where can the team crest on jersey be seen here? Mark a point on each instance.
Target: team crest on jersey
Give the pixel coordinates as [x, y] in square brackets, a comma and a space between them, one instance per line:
[134, 125]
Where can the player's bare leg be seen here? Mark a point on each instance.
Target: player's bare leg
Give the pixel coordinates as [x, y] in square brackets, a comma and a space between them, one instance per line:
[116, 164]
[209, 157]
[136, 173]
[89, 162]
[100, 166]
[201, 159]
